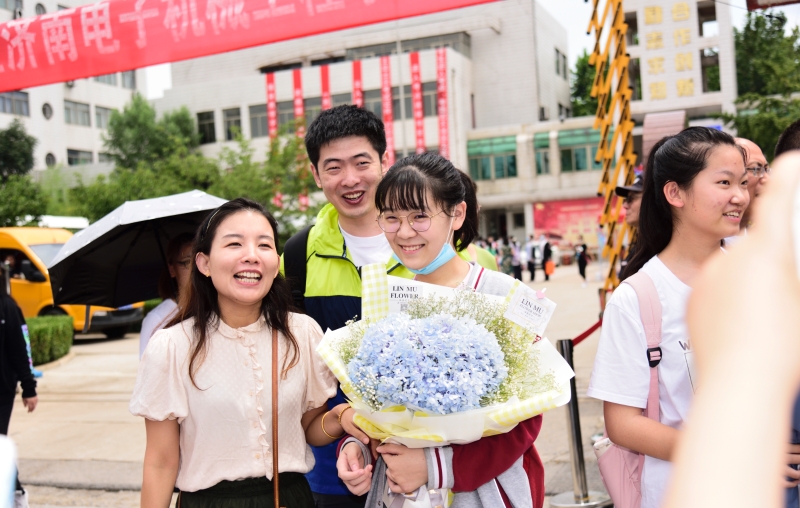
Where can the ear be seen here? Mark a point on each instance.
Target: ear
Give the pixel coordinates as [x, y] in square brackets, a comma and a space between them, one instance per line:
[460, 214]
[315, 173]
[202, 264]
[674, 195]
[385, 162]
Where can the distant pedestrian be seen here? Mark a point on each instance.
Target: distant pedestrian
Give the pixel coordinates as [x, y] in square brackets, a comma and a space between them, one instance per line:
[582, 257]
[15, 368]
[174, 276]
[504, 256]
[531, 247]
[548, 265]
[516, 259]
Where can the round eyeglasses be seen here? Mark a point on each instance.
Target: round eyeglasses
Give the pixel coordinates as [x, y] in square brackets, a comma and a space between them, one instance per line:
[419, 221]
[758, 171]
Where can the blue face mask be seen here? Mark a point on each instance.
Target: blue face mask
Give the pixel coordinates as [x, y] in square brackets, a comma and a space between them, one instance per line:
[446, 254]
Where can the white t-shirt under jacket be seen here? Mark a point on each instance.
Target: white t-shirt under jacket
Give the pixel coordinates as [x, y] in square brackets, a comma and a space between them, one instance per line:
[226, 425]
[621, 372]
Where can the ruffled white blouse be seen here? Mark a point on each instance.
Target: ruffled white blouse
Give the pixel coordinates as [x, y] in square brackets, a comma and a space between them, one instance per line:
[226, 424]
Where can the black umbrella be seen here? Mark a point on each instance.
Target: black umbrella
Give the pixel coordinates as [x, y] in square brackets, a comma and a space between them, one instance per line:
[117, 260]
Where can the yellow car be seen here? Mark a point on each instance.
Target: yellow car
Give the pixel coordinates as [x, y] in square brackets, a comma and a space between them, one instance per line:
[27, 251]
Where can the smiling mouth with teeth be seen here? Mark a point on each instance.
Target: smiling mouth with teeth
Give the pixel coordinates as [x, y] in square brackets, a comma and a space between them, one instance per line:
[353, 196]
[248, 277]
[732, 214]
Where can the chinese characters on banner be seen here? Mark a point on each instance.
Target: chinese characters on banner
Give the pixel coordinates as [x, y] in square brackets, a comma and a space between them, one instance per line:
[358, 89]
[272, 107]
[326, 87]
[386, 104]
[299, 110]
[416, 103]
[669, 53]
[120, 35]
[441, 102]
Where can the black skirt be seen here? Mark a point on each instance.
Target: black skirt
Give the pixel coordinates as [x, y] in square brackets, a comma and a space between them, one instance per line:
[251, 493]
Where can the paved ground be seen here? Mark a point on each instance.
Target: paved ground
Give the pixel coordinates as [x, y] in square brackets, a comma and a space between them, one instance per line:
[82, 448]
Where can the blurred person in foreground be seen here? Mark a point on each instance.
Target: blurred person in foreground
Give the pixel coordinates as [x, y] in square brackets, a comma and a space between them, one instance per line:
[717, 462]
[757, 176]
[14, 369]
[173, 278]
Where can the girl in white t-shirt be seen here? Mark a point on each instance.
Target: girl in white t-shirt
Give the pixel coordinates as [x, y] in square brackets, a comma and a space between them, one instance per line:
[695, 192]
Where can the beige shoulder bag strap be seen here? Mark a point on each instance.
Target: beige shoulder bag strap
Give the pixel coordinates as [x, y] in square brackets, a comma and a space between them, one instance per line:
[276, 487]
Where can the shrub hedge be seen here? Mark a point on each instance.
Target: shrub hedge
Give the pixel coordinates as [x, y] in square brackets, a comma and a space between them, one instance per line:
[51, 337]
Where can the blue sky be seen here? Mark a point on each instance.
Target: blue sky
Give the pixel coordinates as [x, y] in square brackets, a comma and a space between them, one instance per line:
[572, 14]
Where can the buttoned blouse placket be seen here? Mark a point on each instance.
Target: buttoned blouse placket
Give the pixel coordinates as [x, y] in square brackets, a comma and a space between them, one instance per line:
[247, 338]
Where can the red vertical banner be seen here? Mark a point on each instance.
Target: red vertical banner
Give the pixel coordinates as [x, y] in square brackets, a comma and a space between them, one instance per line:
[416, 103]
[441, 102]
[272, 107]
[386, 103]
[358, 87]
[299, 110]
[326, 87]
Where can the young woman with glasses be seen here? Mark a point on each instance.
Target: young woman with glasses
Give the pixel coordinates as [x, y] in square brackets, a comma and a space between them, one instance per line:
[429, 210]
[173, 278]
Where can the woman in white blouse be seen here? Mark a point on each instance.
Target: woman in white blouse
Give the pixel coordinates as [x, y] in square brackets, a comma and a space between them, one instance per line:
[204, 384]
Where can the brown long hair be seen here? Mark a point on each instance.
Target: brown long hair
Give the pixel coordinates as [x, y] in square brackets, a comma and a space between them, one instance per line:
[199, 300]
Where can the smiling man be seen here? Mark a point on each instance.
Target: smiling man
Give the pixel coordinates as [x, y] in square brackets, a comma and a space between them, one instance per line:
[346, 146]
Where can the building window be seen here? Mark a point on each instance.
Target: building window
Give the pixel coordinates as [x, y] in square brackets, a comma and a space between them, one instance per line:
[632, 35]
[635, 79]
[341, 98]
[280, 67]
[47, 111]
[50, 160]
[108, 79]
[564, 68]
[429, 102]
[596, 165]
[101, 117]
[14, 103]
[458, 41]
[205, 125]
[493, 167]
[327, 61]
[62, 7]
[707, 19]
[232, 119]
[577, 159]
[566, 160]
[40, 10]
[519, 220]
[77, 113]
[372, 102]
[709, 63]
[104, 157]
[312, 108]
[78, 157]
[543, 162]
[258, 121]
[128, 79]
[558, 63]
[285, 113]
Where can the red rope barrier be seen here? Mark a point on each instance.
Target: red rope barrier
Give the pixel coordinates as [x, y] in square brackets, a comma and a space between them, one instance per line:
[577, 340]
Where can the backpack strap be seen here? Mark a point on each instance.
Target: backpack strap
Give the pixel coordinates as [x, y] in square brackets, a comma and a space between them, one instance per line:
[294, 265]
[650, 311]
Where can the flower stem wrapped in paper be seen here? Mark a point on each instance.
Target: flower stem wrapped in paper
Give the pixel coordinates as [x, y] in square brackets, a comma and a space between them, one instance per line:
[432, 366]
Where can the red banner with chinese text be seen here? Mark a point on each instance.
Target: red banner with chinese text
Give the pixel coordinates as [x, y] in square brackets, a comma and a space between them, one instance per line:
[324, 76]
[416, 103]
[111, 36]
[272, 107]
[386, 104]
[441, 102]
[299, 109]
[358, 87]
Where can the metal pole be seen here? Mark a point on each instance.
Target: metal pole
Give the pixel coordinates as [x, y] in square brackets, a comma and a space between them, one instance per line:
[580, 495]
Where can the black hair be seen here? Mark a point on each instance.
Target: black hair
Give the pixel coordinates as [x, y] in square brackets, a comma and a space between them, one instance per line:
[199, 300]
[405, 186]
[341, 122]
[678, 159]
[168, 285]
[789, 139]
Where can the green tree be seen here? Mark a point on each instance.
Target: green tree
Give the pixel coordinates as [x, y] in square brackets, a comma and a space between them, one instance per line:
[282, 183]
[55, 184]
[767, 60]
[583, 104]
[21, 201]
[762, 119]
[16, 151]
[136, 137]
